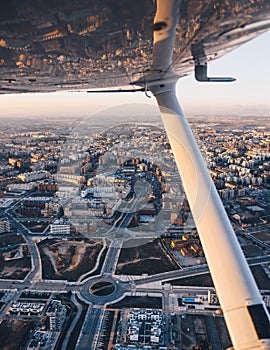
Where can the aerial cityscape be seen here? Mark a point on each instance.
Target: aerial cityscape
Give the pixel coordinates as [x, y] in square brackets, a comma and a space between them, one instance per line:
[127, 226]
[98, 247]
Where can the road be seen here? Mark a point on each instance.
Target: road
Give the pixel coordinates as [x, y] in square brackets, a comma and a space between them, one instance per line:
[61, 285]
[112, 256]
[88, 337]
[36, 272]
[89, 333]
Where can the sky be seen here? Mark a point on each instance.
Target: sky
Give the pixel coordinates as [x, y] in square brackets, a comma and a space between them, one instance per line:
[249, 64]
[249, 95]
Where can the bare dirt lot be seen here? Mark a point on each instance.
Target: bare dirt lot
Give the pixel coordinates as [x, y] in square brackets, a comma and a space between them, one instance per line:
[251, 250]
[14, 266]
[13, 334]
[141, 302]
[263, 236]
[68, 259]
[6, 240]
[34, 227]
[147, 258]
[15, 269]
[259, 274]
[203, 332]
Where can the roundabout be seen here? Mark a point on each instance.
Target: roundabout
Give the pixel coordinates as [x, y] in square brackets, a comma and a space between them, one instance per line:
[102, 290]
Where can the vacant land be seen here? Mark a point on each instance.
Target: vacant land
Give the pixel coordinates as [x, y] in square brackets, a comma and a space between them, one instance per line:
[15, 262]
[251, 250]
[36, 227]
[263, 236]
[147, 258]
[200, 281]
[14, 334]
[98, 270]
[143, 302]
[203, 332]
[6, 240]
[15, 269]
[261, 277]
[68, 259]
[259, 274]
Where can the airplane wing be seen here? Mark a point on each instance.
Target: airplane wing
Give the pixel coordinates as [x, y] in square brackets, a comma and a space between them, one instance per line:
[65, 45]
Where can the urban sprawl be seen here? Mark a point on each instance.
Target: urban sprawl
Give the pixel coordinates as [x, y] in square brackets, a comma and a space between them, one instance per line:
[98, 248]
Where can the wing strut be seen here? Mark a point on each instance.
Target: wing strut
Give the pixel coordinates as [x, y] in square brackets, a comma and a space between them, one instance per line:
[245, 313]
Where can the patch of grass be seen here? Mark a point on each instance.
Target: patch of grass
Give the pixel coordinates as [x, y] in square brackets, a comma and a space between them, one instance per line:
[102, 288]
[33, 295]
